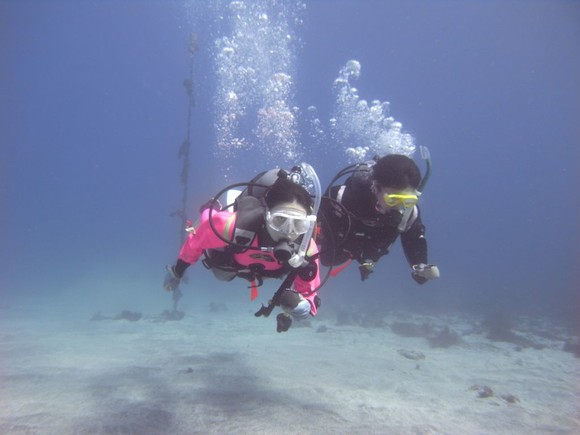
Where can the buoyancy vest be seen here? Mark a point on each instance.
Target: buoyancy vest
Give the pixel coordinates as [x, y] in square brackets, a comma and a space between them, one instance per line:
[251, 264]
[249, 225]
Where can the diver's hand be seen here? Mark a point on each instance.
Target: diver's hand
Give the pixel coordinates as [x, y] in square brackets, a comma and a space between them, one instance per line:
[294, 304]
[424, 272]
[172, 280]
[366, 269]
[283, 322]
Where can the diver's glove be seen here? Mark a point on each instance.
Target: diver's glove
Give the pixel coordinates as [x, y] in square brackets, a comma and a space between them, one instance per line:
[283, 322]
[424, 272]
[366, 269]
[293, 303]
[172, 280]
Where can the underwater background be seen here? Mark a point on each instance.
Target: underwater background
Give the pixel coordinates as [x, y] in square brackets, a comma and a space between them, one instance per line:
[93, 112]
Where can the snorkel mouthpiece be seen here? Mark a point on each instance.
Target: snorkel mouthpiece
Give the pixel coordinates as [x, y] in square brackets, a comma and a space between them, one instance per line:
[283, 251]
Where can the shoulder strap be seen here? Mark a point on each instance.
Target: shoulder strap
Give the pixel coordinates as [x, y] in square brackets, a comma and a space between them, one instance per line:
[357, 195]
[249, 220]
[340, 193]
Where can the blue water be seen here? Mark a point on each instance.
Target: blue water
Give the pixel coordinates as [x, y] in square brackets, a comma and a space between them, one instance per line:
[93, 112]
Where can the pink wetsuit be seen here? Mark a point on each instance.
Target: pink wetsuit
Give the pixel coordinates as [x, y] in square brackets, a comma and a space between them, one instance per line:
[224, 223]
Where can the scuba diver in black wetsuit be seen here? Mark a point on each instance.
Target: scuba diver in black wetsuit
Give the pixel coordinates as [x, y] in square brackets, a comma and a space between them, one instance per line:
[363, 217]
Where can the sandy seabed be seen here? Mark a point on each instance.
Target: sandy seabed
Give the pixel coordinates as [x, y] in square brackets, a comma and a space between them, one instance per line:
[227, 372]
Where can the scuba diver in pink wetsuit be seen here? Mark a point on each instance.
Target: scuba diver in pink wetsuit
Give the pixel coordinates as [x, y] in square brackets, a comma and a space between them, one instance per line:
[266, 233]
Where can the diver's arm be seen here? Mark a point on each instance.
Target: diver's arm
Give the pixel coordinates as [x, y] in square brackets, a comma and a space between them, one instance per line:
[204, 236]
[414, 243]
[180, 267]
[198, 241]
[415, 247]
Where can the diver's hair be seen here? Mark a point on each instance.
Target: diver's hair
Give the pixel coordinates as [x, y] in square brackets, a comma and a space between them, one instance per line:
[284, 190]
[396, 171]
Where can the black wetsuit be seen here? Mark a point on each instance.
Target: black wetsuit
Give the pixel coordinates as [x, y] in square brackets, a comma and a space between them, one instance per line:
[371, 233]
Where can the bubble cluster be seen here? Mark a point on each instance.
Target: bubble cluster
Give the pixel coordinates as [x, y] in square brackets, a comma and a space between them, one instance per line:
[314, 126]
[254, 57]
[365, 129]
[277, 127]
[254, 65]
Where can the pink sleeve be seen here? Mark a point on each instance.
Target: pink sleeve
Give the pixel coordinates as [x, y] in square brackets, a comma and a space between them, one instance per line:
[305, 287]
[205, 238]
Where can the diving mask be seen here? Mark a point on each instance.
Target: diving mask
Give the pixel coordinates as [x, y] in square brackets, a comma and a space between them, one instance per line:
[400, 200]
[289, 221]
